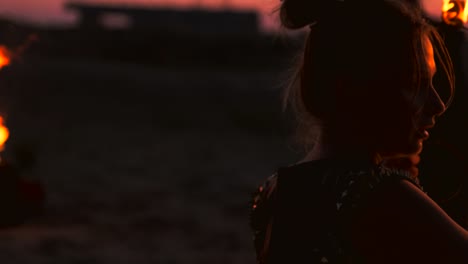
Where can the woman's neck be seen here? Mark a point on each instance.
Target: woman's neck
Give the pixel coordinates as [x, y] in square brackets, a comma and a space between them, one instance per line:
[325, 149]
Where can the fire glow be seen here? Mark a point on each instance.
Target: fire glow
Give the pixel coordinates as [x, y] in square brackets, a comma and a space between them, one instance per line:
[454, 12]
[5, 57]
[4, 133]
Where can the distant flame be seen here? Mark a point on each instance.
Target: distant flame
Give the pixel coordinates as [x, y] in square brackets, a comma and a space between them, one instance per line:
[5, 57]
[4, 133]
[454, 12]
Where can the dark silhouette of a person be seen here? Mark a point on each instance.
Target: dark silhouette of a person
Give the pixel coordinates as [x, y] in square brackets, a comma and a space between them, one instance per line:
[443, 168]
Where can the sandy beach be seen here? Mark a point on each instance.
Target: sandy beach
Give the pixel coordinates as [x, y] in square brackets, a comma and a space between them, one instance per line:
[141, 164]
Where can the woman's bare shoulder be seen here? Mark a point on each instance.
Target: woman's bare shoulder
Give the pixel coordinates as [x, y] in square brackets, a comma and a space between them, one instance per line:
[401, 224]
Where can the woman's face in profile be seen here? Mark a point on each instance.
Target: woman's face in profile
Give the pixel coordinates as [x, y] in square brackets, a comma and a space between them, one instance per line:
[430, 104]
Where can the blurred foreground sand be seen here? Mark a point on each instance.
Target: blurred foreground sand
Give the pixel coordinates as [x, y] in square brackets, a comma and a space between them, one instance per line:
[141, 165]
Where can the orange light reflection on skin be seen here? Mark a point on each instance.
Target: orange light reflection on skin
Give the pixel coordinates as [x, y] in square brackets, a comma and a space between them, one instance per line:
[4, 57]
[4, 133]
[454, 12]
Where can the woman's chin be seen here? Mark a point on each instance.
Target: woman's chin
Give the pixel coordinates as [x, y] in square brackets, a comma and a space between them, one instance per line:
[419, 146]
[415, 148]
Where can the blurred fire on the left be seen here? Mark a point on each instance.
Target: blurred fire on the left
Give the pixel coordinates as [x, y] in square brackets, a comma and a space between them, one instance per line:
[5, 60]
[22, 196]
[5, 56]
[4, 133]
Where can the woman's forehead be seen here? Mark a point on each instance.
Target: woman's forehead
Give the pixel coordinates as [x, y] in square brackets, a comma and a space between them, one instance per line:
[429, 55]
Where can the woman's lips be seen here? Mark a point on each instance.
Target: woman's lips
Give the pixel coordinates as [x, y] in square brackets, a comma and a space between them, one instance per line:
[423, 130]
[423, 134]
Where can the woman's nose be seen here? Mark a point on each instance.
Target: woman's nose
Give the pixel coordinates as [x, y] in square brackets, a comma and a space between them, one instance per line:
[434, 106]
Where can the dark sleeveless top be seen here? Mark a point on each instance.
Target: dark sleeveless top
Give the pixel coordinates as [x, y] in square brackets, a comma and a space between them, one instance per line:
[297, 214]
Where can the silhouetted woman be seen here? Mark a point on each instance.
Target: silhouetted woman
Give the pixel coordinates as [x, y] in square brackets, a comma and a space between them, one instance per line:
[363, 98]
[446, 152]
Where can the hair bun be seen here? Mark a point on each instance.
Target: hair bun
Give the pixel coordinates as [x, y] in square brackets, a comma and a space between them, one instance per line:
[295, 14]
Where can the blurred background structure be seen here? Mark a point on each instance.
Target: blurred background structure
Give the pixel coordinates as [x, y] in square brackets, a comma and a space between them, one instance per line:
[150, 128]
[194, 21]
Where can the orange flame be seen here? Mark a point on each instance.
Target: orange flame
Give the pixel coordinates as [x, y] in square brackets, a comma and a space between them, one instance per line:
[454, 12]
[4, 133]
[5, 56]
